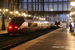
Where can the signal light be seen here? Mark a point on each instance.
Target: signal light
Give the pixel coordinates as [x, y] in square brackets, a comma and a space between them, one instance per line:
[10, 27]
[16, 27]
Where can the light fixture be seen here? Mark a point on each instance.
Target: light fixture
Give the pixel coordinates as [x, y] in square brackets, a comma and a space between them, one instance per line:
[6, 9]
[17, 12]
[72, 3]
[0, 9]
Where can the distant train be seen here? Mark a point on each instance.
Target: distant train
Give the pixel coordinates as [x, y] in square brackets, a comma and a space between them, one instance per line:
[58, 24]
[20, 25]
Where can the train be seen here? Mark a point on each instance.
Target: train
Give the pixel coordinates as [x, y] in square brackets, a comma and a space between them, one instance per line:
[58, 24]
[21, 25]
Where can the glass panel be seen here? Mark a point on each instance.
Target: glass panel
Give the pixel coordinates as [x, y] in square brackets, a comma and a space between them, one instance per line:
[55, 0]
[10, 6]
[50, 7]
[36, 6]
[45, 0]
[33, 6]
[60, 7]
[45, 6]
[59, 0]
[36, 0]
[19, 6]
[55, 7]
[50, 0]
[69, 0]
[69, 6]
[64, 7]
[24, 0]
[40, 0]
[64, 0]
[33, 0]
[25, 6]
[5, 4]
[29, 0]
[41, 7]
[29, 6]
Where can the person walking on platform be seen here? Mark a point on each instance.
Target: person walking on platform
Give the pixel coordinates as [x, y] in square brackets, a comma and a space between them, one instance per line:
[70, 27]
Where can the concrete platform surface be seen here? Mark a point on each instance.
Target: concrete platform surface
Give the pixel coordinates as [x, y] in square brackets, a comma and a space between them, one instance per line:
[60, 39]
[7, 21]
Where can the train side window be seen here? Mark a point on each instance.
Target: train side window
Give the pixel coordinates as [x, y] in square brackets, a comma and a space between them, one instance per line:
[19, 20]
[32, 24]
[12, 20]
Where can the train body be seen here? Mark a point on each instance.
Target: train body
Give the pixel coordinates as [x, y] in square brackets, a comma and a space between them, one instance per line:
[19, 25]
[58, 24]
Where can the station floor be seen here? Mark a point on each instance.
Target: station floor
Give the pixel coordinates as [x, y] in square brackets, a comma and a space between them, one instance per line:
[60, 39]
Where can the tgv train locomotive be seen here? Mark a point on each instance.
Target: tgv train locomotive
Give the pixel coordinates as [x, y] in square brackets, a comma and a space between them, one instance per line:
[58, 24]
[19, 25]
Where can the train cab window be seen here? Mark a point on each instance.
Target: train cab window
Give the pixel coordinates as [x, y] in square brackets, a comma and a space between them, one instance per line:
[31, 18]
[57, 22]
[17, 20]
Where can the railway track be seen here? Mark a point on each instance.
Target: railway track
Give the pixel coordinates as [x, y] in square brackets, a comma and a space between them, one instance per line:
[8, 42]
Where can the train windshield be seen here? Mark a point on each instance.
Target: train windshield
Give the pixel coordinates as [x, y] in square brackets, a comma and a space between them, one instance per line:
[17, 20]
[30, 18]
[57, 22]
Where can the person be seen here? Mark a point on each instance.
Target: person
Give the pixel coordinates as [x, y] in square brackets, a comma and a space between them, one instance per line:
[70, 27]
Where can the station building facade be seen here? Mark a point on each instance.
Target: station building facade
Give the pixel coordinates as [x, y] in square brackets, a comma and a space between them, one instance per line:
[51, 9]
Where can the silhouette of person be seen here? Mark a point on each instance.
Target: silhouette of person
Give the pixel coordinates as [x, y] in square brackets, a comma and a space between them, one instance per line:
[70, 27]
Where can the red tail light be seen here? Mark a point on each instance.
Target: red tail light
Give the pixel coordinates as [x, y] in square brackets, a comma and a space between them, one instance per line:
[10, 27]
[16, 27]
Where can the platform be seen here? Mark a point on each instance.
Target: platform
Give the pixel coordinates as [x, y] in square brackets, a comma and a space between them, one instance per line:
[60, 39]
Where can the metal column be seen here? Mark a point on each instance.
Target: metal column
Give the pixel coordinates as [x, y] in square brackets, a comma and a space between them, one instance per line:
[21, 8]
[3, 14]
[27, 7]
[14, 7]
[32, 8]
[38, 8]
[35, 8]
[43, 8]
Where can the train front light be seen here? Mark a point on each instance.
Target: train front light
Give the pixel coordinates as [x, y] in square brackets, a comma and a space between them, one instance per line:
[9, 27]
[55, 25]
[16, 27]
[59, 25]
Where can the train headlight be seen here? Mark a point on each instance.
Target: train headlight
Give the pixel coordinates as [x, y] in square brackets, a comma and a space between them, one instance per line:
[55, 25]
[58, 25]
[9, 27]
[16, 27]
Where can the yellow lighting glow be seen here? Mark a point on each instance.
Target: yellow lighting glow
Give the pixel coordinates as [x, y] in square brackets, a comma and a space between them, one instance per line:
[68, 15]
[42, 19]
[71, 13]
[24, 14]
[0, 9]
[6, 9]
[37, 17]
[11, 12]
[29, 15]
[17, 12]
[72, 3]
[51, 9]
